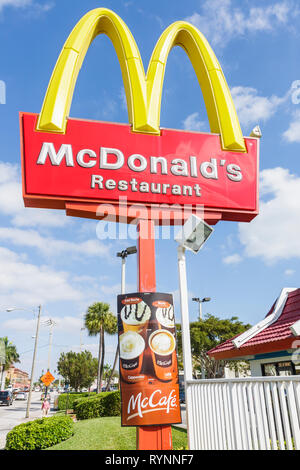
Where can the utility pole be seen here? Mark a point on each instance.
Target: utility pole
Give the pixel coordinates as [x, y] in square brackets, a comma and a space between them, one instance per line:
[33, 362]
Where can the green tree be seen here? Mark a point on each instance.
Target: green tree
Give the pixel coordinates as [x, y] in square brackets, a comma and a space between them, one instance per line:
[9, 355]
[78, 369]
[99, 320]
[207, 334]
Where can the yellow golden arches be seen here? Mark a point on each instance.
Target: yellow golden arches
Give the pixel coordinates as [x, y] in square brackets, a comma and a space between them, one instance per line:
[143, 93]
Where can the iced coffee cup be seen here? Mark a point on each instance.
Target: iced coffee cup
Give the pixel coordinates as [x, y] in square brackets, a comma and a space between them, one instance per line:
[165, 316]
[162, 344]
[132, 346]
[135, 316]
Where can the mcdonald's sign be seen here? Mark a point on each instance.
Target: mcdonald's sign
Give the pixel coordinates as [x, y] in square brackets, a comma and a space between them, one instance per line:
[71, 161]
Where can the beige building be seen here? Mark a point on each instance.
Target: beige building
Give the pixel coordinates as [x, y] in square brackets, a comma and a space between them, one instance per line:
[17, 378]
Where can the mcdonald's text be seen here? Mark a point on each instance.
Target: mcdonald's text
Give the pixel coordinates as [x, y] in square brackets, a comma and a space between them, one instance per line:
[98, 162]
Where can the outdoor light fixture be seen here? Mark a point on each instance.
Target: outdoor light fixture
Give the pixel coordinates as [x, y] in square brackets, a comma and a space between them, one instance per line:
[200, 301]
[131, 250]
[34, 352]
[194, 234]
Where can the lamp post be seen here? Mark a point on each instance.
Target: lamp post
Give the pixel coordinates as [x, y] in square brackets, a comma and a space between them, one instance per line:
[34, 355]
[50, 323]
[200, 302]
[123, 255]
[191, 236]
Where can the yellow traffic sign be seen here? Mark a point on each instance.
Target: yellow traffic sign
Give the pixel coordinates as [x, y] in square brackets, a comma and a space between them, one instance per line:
[47, 379]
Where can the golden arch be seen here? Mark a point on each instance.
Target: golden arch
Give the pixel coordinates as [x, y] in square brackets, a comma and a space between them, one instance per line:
[143, 92]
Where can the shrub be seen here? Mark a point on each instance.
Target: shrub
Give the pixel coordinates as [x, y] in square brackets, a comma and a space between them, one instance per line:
[103, 404]
[65, 399]
[40, 433]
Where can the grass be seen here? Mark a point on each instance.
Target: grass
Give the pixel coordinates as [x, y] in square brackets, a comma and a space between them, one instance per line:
[107, 434]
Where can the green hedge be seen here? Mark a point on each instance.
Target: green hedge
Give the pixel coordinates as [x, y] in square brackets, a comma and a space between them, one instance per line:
[103, 404]
[69, 398]
[40, 434]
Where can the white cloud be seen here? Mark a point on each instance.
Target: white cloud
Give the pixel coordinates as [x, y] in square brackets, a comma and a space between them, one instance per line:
[274, 233]
[24, 284]
[292, 134]
[14, 3]
[37, 7]
[252, 108]
[221, 20]
[193, 123]
[232, 259]
[11, 203]
[52, 247]
[289, 272]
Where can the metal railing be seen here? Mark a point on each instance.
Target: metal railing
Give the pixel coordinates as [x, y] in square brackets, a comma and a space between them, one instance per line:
[255, 413]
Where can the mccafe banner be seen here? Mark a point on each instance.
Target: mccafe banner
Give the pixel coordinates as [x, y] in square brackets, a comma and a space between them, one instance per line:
[148, 359]
[79, 161]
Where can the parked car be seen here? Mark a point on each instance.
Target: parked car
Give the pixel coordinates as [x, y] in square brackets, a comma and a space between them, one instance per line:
[20, 396]
[6, 398]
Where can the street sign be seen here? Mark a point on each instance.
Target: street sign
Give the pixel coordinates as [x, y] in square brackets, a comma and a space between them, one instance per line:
[47, 379]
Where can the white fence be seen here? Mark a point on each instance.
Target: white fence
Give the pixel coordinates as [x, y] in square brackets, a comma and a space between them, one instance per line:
[256, 413]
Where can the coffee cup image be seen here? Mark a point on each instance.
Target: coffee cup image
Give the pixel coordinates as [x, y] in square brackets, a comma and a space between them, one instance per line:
[132, 347]
[162, 344]
[135, 316]
[165, 317]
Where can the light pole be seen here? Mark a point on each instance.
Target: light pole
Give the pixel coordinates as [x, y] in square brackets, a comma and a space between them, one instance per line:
[200, 302]
[50, 323]
[131, 250]
[34, 355]
[123, 254]
[81, 330]
[192, 236]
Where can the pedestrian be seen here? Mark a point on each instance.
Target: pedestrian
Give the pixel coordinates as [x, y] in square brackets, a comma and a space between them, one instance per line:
[45, 407]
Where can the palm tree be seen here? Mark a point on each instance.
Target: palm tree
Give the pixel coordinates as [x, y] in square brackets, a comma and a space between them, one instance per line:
[113, 368]
[10, 355]
[113, 331]
[99, 319]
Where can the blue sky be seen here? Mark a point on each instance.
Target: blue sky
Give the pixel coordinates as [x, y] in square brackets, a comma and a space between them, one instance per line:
[57, 261]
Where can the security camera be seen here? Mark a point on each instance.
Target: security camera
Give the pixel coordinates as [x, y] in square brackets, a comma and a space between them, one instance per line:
[194, 233]
[256, 132]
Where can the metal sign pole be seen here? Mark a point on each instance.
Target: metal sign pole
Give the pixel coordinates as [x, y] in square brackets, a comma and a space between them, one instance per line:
[185, 335]
[149, 437]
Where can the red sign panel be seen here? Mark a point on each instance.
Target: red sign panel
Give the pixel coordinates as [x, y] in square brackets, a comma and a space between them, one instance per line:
[148, 360]
[98, 162]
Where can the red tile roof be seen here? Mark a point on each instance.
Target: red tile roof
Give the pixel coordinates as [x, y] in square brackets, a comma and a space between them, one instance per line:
[276, 337]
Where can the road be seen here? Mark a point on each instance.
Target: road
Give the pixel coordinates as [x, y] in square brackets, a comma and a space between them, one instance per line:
[11, 416]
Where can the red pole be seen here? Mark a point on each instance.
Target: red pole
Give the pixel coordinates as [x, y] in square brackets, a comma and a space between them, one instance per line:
[149, 437]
